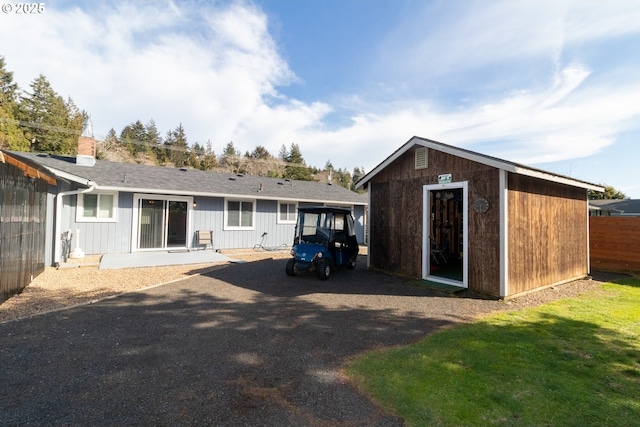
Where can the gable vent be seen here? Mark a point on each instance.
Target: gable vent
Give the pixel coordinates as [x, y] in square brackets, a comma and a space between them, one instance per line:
[422, 159]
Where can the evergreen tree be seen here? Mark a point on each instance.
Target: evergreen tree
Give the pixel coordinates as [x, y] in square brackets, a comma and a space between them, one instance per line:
[111, 138]
[109, 144]
[11, 135]
[358, 174]
[230, 159]
[154, 141]
[297, 168]
[609, 193]
[260, 153]
[260, 162]
[283, 154]
[176, 142]
[342, 177]
[75, 121]
[134, 138]
[8, 89]
[208, 161]
[47, 117]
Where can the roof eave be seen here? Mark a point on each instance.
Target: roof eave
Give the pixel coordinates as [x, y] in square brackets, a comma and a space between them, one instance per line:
[218, 194]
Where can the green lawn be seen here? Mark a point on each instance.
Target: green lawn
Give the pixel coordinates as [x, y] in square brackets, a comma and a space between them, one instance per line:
[573, 362]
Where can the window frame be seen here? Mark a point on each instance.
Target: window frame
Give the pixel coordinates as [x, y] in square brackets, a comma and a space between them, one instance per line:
[80, 217]
[228, 227]
[293, 214]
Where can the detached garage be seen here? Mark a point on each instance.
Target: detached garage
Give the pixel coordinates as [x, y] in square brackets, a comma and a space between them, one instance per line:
[457, 217]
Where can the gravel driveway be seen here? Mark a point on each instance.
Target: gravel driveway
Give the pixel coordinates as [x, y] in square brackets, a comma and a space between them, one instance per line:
[242, 345]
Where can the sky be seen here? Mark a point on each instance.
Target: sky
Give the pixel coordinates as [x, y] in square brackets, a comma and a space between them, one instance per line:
[552, 84]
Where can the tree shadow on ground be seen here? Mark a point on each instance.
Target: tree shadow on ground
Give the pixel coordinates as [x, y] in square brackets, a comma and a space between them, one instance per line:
[204, 352]
[553, 370]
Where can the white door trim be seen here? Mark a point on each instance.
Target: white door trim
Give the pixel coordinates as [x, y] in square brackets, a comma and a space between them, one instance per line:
[135, 212]
[426, 243]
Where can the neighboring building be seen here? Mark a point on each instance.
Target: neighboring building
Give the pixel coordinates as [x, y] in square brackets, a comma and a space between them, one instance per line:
[122, 207]
[614, 207]
[450, 215]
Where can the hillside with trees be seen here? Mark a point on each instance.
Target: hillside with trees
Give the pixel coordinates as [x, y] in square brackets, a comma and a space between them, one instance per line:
[40, 120]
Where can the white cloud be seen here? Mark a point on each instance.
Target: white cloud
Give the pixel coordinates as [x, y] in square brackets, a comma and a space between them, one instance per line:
[218, 72]
[137, 61]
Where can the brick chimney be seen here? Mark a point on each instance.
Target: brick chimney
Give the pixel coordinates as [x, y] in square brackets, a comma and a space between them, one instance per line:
[86, 146]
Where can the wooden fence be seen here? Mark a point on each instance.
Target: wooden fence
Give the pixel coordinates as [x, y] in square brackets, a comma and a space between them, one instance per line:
[614, 243]
[22, 229]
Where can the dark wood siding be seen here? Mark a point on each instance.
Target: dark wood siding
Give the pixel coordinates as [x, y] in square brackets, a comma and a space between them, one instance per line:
[23, 202]
[547, 233]
[615, 243]
[396, 217]
[484, 232]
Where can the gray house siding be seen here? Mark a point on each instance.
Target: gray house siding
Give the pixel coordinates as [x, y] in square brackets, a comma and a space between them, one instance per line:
[209, 215]
[115, 237]
[359, 224]
[100, 237]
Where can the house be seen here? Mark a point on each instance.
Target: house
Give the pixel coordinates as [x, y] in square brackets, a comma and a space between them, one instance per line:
[112, 207]
[456, 217]
[614, 207]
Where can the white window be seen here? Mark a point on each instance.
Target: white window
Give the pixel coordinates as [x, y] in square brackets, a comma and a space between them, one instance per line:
[97, 207]
[239, 214]
[287, 213]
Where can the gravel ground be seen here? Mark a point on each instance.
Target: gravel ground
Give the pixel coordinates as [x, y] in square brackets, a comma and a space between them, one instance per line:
[239, 344]
[81, 282]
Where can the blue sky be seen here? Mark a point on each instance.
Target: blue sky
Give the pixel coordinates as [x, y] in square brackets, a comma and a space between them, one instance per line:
[550, 84]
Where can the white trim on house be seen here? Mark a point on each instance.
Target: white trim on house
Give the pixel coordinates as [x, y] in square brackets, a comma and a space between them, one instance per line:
[70, 177]
[426, 238]
[504, 233]
[226, 226]
[291, 214]
[165, 197]
[80, 207]
[367, 229]
[588, 241]
[479, 158]
[223, 195]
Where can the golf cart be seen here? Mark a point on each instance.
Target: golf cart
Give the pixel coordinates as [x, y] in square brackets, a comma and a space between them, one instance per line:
[324, 240]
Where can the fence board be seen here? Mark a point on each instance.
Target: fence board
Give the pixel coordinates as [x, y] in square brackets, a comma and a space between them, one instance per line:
[614, 243]
[22, 229]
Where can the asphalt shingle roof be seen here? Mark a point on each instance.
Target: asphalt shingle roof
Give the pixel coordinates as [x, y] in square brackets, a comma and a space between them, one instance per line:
[620, 205]
[159, 179]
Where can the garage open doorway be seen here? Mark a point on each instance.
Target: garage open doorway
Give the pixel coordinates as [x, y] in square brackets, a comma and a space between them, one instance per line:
[445, 231]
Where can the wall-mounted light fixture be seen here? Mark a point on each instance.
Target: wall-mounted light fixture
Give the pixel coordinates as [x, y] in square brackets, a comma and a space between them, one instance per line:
[195, 205]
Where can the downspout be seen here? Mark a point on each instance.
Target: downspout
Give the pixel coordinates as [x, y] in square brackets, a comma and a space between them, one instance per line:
[58, 213]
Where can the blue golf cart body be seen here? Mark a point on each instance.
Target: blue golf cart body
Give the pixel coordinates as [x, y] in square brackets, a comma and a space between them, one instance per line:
[324, 240]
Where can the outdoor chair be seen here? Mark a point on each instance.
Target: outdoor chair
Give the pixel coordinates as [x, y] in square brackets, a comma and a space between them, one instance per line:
[204, 238]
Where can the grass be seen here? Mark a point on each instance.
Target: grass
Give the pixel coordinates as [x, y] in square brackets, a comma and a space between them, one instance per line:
[573, 362]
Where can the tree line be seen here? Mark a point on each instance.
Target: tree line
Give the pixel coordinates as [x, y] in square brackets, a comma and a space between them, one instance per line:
[40, 120]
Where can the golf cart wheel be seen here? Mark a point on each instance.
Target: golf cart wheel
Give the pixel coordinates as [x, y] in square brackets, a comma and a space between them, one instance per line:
[323, 270]
[292, 267]
[351, 264]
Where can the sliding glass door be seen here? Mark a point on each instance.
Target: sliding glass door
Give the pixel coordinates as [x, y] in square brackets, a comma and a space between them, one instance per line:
[162, 223]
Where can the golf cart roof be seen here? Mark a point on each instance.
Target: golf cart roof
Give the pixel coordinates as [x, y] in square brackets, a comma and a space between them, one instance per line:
[324, 209]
